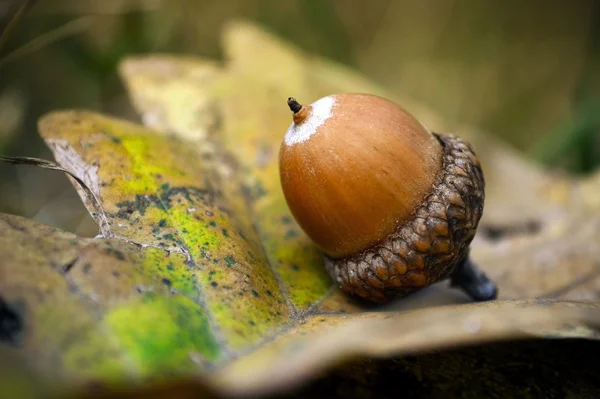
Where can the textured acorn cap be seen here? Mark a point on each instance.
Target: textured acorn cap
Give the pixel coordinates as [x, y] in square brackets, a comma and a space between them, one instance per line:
[431, 244]
[353, 168]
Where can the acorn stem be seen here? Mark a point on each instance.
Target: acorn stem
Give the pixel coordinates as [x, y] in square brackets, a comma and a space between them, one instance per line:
[294, 105]
[468, 277]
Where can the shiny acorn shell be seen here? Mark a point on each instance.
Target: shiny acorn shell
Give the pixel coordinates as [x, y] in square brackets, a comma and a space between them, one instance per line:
[354, 166]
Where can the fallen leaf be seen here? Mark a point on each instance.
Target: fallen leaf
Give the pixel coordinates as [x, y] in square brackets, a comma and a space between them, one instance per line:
[202, 274]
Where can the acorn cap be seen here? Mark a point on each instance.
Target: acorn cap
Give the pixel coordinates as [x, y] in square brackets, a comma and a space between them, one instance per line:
[353, 168]
[430, 245]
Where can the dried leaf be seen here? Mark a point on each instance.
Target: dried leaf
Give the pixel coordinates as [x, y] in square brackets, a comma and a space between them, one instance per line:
[202, 272]
[107, 310]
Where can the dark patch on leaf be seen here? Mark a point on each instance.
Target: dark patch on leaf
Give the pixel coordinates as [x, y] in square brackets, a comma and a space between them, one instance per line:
[290, 234]
[142, 289]
[141, 203]
[87, 267]
[11, 323]
[191, 194]
[259, 190]
[113, 252]
[229, 260]
[163, 200]
[66, 268]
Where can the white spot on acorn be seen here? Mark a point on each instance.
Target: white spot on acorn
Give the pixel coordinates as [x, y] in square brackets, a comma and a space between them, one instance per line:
[309, 120]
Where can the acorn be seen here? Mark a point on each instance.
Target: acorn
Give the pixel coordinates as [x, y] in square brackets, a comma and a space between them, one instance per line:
[393, 206]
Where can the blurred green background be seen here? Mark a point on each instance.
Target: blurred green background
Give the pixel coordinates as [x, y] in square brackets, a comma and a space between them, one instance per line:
[527, 71]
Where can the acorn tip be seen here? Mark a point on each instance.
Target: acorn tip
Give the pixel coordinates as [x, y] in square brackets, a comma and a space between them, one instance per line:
[294, 105]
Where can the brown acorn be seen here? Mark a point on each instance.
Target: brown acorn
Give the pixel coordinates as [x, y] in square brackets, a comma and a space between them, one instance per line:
[393, 206]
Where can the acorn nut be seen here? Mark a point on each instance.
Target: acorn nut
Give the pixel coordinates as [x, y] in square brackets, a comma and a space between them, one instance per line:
[393, 206]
